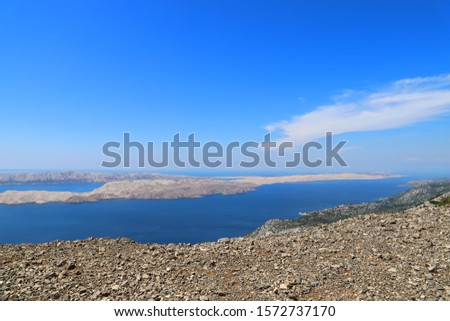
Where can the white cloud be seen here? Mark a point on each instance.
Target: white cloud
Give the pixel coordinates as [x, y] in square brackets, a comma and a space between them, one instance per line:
[402, 103]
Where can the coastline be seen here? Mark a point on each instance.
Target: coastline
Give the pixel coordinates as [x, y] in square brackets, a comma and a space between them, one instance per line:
[159, 187]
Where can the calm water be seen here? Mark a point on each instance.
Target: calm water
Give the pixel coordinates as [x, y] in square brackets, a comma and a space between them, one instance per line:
[184, 220]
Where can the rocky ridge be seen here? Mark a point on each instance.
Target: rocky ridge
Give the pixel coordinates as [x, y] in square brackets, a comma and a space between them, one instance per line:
[75, 177]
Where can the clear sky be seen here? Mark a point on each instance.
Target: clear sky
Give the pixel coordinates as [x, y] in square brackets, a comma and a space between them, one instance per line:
[75, 74]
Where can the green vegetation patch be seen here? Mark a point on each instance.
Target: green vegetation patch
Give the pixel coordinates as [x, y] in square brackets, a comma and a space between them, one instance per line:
[443, 201]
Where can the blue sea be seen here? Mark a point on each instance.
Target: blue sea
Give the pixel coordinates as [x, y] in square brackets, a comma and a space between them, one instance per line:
[179, 221]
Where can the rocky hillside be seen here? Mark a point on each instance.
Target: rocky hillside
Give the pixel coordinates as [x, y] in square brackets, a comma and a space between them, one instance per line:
[396, 256]
[421, 192]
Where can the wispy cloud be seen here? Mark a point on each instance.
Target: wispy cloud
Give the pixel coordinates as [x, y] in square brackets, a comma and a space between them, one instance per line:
[402, 103]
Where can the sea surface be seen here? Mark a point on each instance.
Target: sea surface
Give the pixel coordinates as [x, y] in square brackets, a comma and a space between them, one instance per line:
[179, 221]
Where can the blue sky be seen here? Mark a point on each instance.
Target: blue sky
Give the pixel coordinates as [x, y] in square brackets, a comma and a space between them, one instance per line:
[75, 74]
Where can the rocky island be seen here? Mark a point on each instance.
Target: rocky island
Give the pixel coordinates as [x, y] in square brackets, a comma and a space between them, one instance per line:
[148, 185]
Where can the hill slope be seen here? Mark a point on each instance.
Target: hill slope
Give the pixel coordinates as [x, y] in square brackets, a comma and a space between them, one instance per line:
[421, 192]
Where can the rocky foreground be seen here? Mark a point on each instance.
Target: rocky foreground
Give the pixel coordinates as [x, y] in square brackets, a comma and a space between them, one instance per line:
[399, 256]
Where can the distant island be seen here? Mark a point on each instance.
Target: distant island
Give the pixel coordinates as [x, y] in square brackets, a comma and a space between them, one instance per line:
[148, 185]
[74, 177]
